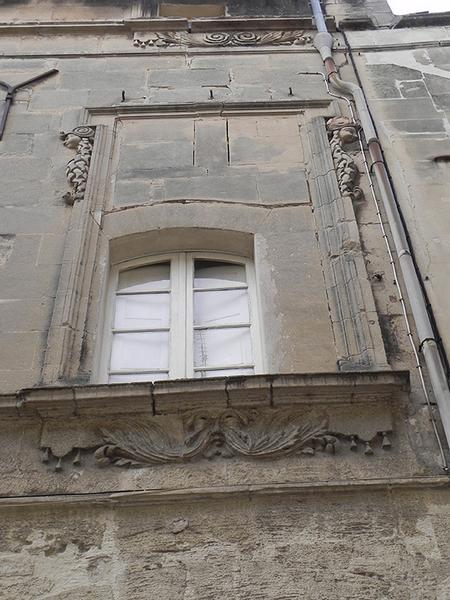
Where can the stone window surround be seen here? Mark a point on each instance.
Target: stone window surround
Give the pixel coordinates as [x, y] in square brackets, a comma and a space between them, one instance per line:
[88, 251]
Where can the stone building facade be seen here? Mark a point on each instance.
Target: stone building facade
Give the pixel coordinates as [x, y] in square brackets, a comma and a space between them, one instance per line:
[274, 440]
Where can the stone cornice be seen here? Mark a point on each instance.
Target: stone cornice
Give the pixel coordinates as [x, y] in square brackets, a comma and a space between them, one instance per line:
[212, 108]
[162, 24]
[202, 494]
[277, 391]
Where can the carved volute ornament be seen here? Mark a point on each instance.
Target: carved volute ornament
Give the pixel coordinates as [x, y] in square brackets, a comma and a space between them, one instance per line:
[221, 39]
[80, 139]
[341, 133]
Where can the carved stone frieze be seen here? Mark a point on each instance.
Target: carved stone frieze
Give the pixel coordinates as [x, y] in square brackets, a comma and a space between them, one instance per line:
[221, 39]
[341, 133]
[233, 433]
[80, 139]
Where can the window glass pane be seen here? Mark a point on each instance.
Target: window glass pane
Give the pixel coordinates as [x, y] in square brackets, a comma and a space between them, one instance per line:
[144, 279]
[143, 311]
[222, 373]
[214, 274]
[222, 347]
[130, 377]
[222, 306]
[140, 351]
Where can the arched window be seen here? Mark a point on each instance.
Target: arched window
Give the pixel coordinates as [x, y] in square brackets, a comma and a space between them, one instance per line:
[181, 315]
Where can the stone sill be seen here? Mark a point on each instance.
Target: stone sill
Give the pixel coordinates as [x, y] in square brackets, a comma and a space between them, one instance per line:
[161, 496]
[171, 397]
[167, 24]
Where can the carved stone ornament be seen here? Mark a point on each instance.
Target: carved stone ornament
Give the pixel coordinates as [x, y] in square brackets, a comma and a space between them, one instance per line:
[251, 434]
[219, 39]
[342, 132]
[81, 139]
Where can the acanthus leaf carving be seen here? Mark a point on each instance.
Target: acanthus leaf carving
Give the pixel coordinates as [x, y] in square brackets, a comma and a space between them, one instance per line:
[341, 132]
[221, 39]
[233, 433]
[80, 139]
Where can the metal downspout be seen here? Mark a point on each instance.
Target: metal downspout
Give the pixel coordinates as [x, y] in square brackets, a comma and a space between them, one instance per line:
[323, 41]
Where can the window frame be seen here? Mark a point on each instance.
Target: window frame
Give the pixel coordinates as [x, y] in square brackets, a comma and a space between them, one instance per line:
[181, 336]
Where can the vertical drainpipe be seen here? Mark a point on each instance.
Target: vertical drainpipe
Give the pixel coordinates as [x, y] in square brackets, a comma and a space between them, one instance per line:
[323, 41]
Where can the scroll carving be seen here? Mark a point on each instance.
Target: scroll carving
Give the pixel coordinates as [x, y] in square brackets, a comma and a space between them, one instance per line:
[81, 139]
[250, 434]
[342, 132]
[221, 39]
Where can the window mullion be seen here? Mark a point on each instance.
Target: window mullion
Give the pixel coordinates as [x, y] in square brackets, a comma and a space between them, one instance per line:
[189, 319]
[177, 341]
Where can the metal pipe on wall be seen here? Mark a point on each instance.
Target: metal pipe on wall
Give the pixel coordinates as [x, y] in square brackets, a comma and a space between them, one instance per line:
[323, 41]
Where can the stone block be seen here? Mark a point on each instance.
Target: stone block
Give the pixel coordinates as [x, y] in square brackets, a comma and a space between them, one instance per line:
[51, 249]
[17, 64]
[211, 144]
[286, 128]
[26, 250]
[411, 108]
[19, 349]
[236, 186]
[257, 151]
[28, 170]
[51, 100]
[29, 281]
[12, 381]
[91, 75]
[113, 96]
[138, 191]
[389, 72]
[141, 160]
[250, 93]
[283, 188]
[20, 122]
[33, 219]
[17, 143]
[188, 78]
[158, 130]
[417, 125]
[171, 95]
[28, 192]
[22, 314]
[142, 62]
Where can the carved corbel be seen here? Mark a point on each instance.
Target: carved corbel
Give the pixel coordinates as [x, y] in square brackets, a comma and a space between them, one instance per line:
[80, 139]
[341, 133]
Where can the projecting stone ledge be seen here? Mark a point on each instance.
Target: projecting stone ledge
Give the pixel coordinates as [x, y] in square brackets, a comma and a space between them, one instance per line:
[178, 396]
[253, 430]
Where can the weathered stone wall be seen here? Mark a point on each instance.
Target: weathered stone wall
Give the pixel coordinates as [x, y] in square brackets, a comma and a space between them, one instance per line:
[405, 74]
[373, 544]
